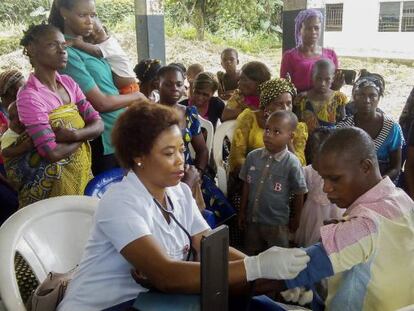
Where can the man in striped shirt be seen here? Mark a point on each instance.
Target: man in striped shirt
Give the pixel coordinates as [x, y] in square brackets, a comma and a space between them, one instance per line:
[367, 255]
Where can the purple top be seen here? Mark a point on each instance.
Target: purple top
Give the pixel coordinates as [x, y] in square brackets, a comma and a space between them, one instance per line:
[34, 103]
[300, 67]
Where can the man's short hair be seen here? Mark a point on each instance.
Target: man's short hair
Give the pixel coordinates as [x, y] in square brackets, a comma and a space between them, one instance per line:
[351, 143]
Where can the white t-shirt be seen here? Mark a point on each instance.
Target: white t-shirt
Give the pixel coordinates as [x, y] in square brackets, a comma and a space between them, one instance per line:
[116, 57]
[125, 213]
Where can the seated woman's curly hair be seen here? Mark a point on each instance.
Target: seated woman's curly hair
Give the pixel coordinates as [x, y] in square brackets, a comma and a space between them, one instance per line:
[138, 127]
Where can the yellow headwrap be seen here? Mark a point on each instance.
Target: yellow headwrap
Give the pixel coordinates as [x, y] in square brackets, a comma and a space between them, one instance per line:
[271, 89]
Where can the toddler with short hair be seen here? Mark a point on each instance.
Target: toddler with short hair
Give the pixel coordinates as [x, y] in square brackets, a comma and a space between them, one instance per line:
[272, 176]
[100, 44]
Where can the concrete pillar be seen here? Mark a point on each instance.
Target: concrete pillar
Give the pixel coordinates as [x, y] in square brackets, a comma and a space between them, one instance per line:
[149, 21]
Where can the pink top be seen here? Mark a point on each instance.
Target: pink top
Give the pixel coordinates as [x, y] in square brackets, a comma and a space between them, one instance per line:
[34, 103]
[252, 101]
[300, 67]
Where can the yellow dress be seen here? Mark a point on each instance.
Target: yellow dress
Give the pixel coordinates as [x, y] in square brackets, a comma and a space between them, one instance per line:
[248, 136]
[35, 178]
[321, 113]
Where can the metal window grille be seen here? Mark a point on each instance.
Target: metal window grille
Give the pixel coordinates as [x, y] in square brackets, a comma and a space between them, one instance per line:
[334, 14]
[389, 17]
[407, 21]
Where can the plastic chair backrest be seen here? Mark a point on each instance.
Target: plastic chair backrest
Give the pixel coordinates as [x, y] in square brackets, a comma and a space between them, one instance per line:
[101, 182]
[208, 126]
[50, 234]
[226, 129]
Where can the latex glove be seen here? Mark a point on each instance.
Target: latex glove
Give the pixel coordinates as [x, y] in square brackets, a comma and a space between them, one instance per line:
[298, 295]
[276, 263]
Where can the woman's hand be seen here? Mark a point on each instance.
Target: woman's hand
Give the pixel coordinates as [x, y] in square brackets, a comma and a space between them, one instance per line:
[65, 135]
[191, 175]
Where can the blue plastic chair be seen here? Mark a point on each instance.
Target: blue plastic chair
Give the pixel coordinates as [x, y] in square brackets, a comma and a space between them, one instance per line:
[101, 182]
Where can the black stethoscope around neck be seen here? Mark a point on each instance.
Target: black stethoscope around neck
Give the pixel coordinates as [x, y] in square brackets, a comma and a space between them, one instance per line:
[170, 213]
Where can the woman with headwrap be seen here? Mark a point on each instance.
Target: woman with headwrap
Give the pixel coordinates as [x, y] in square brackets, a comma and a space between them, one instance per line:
[297, 62]
[275, 94]
[385, 132]
[208, 106]
[253, 74]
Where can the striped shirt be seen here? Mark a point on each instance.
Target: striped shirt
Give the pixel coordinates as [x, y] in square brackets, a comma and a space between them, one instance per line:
[369, 255]
[389, 139]
[34, 103]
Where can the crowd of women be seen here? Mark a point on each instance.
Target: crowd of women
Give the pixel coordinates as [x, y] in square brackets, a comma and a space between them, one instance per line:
[80, 113]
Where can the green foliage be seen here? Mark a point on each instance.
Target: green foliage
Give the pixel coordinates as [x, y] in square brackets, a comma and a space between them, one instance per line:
[9, 44]
[19, 11]
[249, 43]
[111, 12]
[253, 16]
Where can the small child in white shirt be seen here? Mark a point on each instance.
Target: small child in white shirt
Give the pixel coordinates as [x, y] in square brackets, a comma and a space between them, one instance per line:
[317, 207]
[100, 44]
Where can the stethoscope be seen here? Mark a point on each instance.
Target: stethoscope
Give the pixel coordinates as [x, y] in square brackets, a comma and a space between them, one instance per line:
[170, 213]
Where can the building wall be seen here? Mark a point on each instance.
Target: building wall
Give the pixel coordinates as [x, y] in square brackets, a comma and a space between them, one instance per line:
[360, 36]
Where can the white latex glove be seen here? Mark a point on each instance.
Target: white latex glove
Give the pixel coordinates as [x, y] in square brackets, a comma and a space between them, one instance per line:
[298, 295]
[276, 263]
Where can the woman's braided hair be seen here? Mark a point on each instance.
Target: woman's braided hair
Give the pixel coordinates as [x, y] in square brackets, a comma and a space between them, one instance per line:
[34, 32]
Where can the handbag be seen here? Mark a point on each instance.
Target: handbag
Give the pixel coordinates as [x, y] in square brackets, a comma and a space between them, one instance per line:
[50, 292]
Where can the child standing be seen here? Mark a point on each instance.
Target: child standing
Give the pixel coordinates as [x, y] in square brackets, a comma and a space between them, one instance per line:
[100, 44]
[321, 106]
[271, 176]
[317, 207]
[228, 80]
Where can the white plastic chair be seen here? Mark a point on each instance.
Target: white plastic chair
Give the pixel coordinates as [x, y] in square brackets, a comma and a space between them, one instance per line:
[407, 308]
[208, 126]
[226, 129]
[50, 234]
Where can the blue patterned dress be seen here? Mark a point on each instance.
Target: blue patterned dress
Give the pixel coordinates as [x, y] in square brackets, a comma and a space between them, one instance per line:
[214, 199]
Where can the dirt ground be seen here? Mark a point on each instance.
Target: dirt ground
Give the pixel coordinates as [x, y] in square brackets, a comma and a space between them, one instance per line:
[399, 76]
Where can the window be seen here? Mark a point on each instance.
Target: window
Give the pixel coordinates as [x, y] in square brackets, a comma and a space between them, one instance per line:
[334, 17]
[407, 22]
[389, 17]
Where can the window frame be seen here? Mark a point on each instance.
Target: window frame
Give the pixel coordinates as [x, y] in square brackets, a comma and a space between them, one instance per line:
[410, 19]
[334, 23]
[381, 26]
